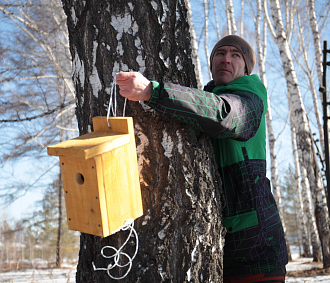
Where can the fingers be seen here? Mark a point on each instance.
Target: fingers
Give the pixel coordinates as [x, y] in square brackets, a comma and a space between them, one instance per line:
[123, 76]
[134, 86]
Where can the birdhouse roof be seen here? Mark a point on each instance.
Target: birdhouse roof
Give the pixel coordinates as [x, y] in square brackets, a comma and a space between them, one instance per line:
[89, 145]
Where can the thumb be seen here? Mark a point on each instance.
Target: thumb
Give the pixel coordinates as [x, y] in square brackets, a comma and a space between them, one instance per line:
[122, 76]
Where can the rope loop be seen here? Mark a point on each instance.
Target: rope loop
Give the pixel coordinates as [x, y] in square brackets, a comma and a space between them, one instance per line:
[118, 254]
[113, 102]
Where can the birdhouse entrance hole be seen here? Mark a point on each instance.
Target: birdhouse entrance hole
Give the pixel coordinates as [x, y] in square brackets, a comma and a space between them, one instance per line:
[80, 179]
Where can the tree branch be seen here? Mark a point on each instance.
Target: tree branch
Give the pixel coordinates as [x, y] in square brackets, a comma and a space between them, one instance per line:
[51, 111]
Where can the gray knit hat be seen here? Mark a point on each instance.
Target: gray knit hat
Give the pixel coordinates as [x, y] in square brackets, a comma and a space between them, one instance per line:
[242, 45]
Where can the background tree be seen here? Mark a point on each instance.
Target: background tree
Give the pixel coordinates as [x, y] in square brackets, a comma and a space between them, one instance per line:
[37, 94]
[181, 226]
[300, 121]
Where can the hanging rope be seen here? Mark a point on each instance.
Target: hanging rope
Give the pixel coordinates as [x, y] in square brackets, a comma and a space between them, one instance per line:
[129, 224]
[113, 102]
[117, 254]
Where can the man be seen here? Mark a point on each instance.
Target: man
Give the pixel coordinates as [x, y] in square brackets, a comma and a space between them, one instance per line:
[232, 110]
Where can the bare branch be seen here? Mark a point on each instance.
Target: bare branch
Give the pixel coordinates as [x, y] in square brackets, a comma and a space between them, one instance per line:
[51, 111]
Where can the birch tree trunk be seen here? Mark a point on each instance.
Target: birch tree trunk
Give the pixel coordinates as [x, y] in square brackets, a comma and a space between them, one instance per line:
[216, 19]
[307, 199]
[317, 41]
[206, 35]
[231, 17]
[242, 16]
[309, 75]
[303, 134]
[181, 235]
[305, 210]
[194, 45]
[261, 53]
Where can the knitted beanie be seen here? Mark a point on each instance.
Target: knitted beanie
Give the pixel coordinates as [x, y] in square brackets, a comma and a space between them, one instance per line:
[242, 45]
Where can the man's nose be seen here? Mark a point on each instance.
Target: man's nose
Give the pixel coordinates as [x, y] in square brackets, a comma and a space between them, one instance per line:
[226, 58]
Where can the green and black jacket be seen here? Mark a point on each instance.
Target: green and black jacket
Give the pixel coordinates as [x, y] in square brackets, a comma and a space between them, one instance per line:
[234, 116]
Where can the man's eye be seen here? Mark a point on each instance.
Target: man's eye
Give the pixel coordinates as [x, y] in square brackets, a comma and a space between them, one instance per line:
[237, 55]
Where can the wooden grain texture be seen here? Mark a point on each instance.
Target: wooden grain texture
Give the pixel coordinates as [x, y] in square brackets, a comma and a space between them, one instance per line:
[89, 145]
[82, 201]
[103, 191]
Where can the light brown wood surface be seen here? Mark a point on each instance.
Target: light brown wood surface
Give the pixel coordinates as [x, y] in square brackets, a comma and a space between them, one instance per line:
[102, 191]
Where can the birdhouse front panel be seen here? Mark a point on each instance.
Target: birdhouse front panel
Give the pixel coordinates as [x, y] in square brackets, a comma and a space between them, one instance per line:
[83, 199]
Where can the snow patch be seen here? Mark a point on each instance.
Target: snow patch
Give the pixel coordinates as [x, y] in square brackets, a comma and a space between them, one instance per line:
[154, 5]
[194, 253]
[130, 5]
[167, 144]
[78, 68]
[166, 62]
[189, 275]
[73, 16]
[187, 175]
[123, 24]
[94, 77]
[192, 198]
[178, 65]
[180, 145]
[166, 9]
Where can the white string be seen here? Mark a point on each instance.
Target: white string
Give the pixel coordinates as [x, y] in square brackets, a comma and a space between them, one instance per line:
[118, 253]
[113, 106]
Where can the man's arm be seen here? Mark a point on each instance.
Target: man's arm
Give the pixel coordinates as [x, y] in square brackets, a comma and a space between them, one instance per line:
[236, 116]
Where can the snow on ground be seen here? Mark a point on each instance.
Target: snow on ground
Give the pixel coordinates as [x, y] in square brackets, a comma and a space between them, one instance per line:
[305, 264]
[67, 275]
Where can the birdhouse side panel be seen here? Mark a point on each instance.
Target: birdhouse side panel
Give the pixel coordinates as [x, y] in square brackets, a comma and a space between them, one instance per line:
[122, 187]
[82, 197]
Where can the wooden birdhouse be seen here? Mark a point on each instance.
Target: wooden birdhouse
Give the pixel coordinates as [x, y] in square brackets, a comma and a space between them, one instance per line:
[100, 177]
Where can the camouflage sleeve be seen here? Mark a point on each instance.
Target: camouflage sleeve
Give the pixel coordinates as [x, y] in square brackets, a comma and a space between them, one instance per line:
[236, 115]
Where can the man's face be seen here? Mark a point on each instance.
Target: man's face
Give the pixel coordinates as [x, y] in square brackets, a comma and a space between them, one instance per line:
[227, 65]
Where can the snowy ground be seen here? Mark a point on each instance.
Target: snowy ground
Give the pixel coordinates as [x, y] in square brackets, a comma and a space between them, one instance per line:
[67, 275]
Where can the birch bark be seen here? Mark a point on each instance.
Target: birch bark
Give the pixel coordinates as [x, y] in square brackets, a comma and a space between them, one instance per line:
[304, 202]
[181, 236]
[206, 35]
[303, 134]
[317, 40]
[231, 17]
[242, 16]
[309, 75]
[216, 19]
[261, 51]
[194, 47]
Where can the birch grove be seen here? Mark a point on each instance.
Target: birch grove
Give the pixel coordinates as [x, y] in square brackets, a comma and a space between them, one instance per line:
[261, 51]
[300, 122]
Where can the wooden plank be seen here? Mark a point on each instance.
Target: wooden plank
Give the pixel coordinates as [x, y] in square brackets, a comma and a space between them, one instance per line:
[118, 124]
[122, 192]
[89, 145]
[82, 199]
